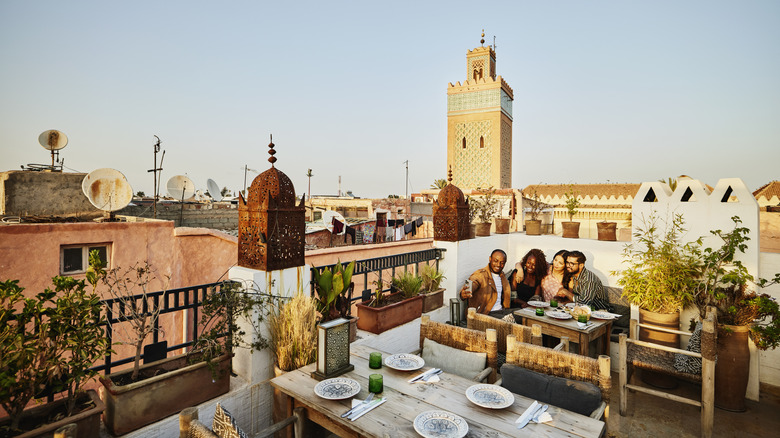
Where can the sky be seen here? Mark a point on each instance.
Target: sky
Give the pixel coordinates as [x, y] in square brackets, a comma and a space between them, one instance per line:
[604, 91]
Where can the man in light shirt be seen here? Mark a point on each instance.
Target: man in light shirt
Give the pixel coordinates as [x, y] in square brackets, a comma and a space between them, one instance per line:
[489, 293]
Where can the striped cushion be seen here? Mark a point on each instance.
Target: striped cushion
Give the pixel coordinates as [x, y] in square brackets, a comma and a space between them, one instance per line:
[224, 424]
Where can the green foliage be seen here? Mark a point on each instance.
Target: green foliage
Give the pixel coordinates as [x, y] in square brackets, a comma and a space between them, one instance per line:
[439, 184]
[572, 203]
[661, 271]
[535, 205]
[49, 340]
[408, 283]
[726, 284]
[431, 278]
[332, 287]
[485, 207]
[293, 329]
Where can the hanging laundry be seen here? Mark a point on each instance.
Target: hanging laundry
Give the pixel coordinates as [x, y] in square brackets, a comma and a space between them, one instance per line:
[407, 228]
[349, 232]
[389, 233]
[419, 222]
[338, 226]
[359, 237]
[414, 227]
[399, 233]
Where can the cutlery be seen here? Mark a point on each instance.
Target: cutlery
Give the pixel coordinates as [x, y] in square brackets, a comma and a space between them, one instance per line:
[414, 379]
[540, 412]
[429, 376]
[527, 419]
[364, 402]
[527, 413]
[366, 408]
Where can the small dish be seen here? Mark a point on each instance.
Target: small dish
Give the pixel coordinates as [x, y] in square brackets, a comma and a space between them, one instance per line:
[558, 314]
[601, 315]
[404, 362]
[490, 396]
[440, 424]
[337, 388]
[538, 304]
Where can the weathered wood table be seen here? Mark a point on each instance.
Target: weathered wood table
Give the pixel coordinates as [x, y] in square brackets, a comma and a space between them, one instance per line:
[568, 327]
[406, 400]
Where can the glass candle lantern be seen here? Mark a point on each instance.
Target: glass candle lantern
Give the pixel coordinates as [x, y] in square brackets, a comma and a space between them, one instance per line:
[375, 383]
[375, 360]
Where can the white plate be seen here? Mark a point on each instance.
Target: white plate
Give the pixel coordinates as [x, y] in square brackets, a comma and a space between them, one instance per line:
[557, 314]
[404, 362]
[570, 305]
[601, 315]
[490, 396]
[337, 388]
[440, 424]
[538, 304]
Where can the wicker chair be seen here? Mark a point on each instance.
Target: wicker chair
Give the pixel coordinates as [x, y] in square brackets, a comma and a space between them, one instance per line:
[564, 364]
[464, 339]
[191, 427]
[522, 333]
[659, 358]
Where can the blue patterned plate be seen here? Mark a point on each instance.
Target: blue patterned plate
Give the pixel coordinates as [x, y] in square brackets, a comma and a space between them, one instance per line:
[440, 424]
[404, 362]
[490, 396]
[337, 388]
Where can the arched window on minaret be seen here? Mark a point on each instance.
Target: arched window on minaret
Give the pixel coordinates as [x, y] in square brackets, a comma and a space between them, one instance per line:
[481, 142]
[464, 142]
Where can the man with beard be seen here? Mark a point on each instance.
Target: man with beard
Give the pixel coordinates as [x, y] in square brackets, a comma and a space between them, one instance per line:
[585, 286]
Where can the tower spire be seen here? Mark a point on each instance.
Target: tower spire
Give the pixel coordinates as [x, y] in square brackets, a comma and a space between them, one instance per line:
[482, 41]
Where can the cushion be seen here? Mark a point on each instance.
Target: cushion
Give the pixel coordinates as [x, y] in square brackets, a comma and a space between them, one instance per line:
[689, 364]
[199, 430]
[580, 397]
[466, 364]
[224, 424]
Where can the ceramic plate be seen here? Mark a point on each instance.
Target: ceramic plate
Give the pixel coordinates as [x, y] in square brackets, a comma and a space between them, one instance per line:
[440, 424]
[601, 315]
[570, 305]
[404, 362]
[557, 314]
[337, 389]
[538, 304]
[490, 396]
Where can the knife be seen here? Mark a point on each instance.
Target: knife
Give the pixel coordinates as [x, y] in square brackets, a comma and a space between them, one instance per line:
[362, 410]
[430, 371]
[528, 418]
[364, 402]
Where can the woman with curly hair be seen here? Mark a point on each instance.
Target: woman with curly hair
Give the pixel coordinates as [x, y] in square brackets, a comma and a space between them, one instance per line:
[527, 277]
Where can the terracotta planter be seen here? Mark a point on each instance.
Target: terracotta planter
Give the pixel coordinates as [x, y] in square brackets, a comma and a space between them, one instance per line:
[502, 225]
[130, 407]
[432, 300]
[571, 229]
[607, 231]
[472, 231]
[381, 319]
[666, 320]
[87, 421]
[533, 227]
[732, 368]
[483, 229]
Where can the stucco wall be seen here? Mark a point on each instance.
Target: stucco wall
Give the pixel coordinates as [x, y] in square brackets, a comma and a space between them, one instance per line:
[217, 215]
[43, 193]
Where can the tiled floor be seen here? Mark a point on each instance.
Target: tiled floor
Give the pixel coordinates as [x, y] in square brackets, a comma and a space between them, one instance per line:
[650, 416]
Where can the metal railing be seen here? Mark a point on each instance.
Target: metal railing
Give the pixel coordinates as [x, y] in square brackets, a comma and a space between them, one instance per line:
[379, 265]
[121, 310]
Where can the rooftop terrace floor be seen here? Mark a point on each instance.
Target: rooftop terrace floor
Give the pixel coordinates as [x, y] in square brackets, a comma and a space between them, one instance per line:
[649, 416]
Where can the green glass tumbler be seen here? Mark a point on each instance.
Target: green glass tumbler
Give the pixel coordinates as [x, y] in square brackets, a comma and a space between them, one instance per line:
[582, 318]
[553, 303]
[540, 312]
[375, 360]
[375, 383]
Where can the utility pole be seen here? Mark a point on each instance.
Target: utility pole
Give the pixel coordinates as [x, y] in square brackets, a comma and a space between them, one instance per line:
[309, 174]
[406, 190]
[339, 186]
[156, 170]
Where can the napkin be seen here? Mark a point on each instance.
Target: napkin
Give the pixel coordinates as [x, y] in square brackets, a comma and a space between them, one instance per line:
[371, 406]
[544, 418]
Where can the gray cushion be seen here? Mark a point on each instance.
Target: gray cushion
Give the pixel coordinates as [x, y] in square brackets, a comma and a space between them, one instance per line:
[466, 364]
[573, 395]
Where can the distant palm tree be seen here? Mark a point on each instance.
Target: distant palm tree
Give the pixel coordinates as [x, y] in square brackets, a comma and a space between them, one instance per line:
[672, 182]
[439, 184]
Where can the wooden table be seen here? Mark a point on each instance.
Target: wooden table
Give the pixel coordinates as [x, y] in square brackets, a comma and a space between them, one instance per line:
[568, 327]
[406, 400]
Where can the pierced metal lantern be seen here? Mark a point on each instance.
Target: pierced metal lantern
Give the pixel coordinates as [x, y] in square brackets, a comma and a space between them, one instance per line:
[271, 228]
[332, 349]
[451, 214]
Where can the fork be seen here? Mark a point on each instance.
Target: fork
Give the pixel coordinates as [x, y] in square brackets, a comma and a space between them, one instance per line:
[363, 403]
[428, 377]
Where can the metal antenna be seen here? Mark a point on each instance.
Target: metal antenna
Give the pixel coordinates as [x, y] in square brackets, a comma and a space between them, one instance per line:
[406, 188]
[494, 43]
[156, 175]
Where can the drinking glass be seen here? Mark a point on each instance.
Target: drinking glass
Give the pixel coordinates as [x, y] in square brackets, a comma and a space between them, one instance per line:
[553, 303]
[582, 318]
[540, 312]
[375, 383]
[375, 360]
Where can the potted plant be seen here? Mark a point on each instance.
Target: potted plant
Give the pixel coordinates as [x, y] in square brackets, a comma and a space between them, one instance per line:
[502, 223]
[150, 392]
[472, 217]
[571, 229]
[659, 277]
[486, 207]
[433, 295]
[334, 290]
[533, 226]
[293, 330]
[384, 312]
[726, 284]
[48, 344]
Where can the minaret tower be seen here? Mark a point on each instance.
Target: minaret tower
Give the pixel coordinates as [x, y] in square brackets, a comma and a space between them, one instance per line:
[479, 124]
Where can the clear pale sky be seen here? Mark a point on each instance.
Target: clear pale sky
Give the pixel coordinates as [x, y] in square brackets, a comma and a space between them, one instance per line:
[605, 91]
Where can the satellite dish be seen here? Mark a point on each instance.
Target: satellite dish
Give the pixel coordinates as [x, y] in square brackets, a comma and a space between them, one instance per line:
[180, 187]
[53, 140]
[214, 191]
[327, 218]
[107, 189]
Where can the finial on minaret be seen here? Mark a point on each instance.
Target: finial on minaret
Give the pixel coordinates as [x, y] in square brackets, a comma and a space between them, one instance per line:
[449, 175]
[271, 151]
[482, 41]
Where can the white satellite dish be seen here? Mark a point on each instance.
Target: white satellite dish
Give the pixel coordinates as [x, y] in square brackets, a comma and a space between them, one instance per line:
[180, 187]
[53, 140]
[214, 191]
[107, 189]
[327, 219]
